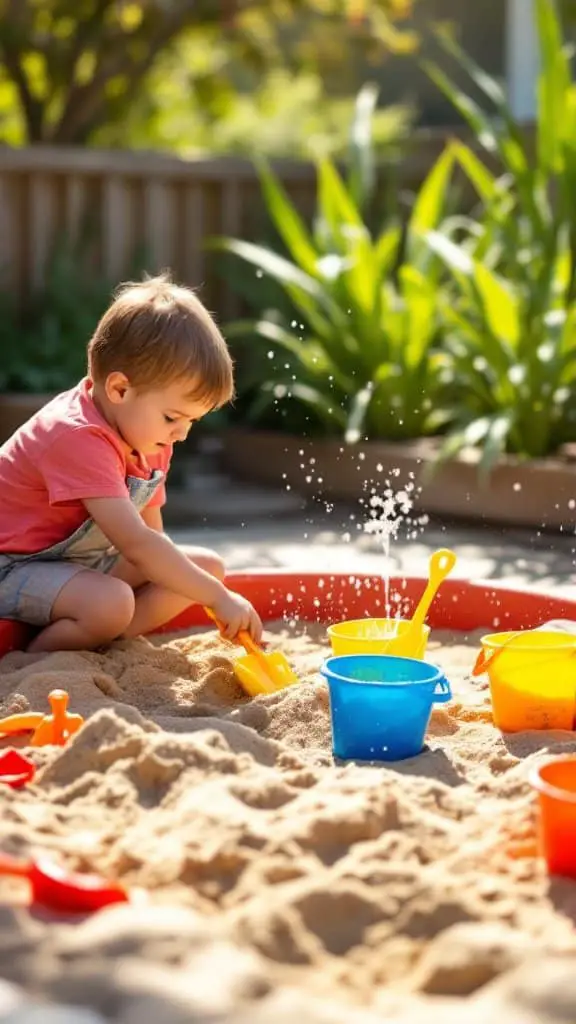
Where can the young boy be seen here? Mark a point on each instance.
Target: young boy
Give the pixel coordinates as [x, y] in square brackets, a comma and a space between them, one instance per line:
[82, 549]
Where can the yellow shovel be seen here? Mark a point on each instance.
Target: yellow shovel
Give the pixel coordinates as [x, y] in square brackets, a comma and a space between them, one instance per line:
[259, 672]
[441, 564]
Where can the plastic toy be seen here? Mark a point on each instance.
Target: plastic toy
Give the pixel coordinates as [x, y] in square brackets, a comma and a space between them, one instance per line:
[259, 672]
[555, 782]
[55, 729]
[64, 891]
[406, 638]
[441, 564]
[15, 769]
[380, 705]
[532, 678]
[377, 636]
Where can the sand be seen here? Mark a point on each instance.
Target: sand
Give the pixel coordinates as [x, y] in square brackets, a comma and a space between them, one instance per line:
[271, 884]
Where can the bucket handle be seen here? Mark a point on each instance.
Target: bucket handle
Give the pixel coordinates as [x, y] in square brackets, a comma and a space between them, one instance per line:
[442, 691]
[483, 661]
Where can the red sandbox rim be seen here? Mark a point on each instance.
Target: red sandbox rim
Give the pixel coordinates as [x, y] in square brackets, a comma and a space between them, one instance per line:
[330, 597]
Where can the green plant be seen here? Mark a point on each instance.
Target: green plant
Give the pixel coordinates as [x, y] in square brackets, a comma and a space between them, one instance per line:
[511, 324]
[361, 351]
[43, 347]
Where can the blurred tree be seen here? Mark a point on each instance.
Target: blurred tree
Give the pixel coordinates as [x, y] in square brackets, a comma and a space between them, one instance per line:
[69, 69]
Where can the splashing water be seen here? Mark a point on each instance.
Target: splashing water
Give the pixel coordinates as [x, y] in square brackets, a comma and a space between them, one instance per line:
[384, 523]
[390, 508]
[390, 512]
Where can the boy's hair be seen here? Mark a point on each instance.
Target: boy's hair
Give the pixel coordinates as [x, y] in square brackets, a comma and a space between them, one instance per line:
[157, 332]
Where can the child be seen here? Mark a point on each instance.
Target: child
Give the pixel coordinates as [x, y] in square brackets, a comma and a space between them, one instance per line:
[82, 549]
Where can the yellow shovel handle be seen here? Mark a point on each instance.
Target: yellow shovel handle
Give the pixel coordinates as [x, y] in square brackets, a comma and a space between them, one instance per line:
[243, 638]
[441, 564]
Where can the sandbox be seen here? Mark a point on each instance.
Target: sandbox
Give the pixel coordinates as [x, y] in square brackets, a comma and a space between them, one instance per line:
[316, 597]
[266, 874]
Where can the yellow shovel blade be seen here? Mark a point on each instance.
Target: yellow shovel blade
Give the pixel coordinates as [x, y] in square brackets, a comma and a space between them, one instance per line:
[257, 680]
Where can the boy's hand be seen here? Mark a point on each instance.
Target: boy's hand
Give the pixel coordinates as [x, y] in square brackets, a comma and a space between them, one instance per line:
[234, 613]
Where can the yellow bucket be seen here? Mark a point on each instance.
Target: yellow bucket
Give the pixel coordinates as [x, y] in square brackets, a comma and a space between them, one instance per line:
[377, 636]
[532, 678]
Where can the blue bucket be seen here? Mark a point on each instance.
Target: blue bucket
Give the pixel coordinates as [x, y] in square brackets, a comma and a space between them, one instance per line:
[381, 705]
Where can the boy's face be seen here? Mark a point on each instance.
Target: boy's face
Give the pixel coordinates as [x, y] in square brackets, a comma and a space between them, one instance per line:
[150, 420]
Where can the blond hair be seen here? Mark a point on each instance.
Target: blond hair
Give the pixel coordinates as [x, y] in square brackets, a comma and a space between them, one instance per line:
[157, 332]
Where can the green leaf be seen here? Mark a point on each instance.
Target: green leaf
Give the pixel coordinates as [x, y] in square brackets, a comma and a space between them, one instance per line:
[483, 180]
[468, 108]
[290, 225]
[561, 275]
[485, 82]
[357, 415]
[420, 316]
[553, 85]
[468, 437]
[310, 353]
[568, 338]
[495, 442]
[271, 263]
[500, 305]
[431, 197]
[336, 204]
[386, 249]
[454, 256]
[290, 276]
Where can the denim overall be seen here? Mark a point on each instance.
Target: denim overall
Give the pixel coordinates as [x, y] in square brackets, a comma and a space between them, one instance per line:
[30, 583]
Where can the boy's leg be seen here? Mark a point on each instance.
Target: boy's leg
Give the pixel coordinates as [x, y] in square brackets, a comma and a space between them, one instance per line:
[91, 609]
[156, 605]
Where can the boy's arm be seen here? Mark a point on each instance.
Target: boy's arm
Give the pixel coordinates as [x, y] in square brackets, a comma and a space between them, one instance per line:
[161, 562]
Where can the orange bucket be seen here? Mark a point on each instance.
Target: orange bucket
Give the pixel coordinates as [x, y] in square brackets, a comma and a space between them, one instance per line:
[532, 678]
[555, 782]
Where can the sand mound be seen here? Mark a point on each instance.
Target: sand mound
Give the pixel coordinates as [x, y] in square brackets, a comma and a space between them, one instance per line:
[272, 881]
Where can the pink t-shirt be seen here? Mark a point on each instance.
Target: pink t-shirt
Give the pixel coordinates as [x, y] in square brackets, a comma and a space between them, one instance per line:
[65, 454]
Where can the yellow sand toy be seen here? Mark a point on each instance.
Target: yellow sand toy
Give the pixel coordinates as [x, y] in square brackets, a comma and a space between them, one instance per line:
[55, 729]
[258, 672]
[532, 675]
[405, 638]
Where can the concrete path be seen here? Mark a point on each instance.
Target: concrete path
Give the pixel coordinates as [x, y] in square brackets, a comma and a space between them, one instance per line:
[324, 543]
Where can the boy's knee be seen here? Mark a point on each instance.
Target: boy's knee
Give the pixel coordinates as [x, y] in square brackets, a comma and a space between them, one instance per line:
[116, 609]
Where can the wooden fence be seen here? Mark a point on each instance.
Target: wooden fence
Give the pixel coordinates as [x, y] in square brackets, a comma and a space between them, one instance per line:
[129, 202]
